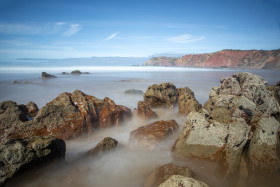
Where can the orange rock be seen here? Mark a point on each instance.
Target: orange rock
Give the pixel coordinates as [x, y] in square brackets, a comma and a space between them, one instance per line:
[144, 110]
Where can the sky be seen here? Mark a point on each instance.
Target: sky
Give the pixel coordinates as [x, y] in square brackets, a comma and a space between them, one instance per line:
[57, 29]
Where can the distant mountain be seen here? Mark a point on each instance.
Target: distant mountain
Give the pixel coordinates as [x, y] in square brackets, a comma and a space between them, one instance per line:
[249, 59]
[92, 61]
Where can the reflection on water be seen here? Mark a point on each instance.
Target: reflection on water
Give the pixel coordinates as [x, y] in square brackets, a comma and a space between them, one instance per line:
[125, 166]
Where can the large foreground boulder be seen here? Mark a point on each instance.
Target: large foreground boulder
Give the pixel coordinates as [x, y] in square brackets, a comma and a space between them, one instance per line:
[207, 139]
[181, 181]
[164, 172]
[67, 116]
[17, 155]
[149, 136]
[162, 95]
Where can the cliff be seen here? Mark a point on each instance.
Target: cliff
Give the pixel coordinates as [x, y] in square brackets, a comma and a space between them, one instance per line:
[249, 59]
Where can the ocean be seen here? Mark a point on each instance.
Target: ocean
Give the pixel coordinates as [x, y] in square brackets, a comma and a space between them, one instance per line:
[126, 166]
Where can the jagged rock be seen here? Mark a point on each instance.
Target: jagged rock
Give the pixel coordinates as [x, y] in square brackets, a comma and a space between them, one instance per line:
[67, 116]
[46, 75]
[164, 172]
[17, 155]
[204, 138]
[105, 145]
[30, 109]
[264, 149]
[149, 136]
[144, 110]
[134, 92]
[181, 181]
[164, 94]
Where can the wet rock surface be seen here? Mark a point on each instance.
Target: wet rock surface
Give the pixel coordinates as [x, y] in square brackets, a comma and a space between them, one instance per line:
[18, 155]
[107, 144]
[164, 172]
[149, 136]
[180, 181]
[67, 116]
[144, 110]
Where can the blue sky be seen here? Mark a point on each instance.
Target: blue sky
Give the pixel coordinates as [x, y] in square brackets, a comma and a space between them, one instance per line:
[83, 28]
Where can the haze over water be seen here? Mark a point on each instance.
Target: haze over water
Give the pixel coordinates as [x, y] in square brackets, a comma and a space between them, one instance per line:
[126, 166]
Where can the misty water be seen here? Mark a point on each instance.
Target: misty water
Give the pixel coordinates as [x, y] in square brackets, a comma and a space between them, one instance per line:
[127, 165]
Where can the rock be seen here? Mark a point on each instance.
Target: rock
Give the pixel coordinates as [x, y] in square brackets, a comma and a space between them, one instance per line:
[30, 109]
[67, 116]
[76, 72]
[144, 110]
[18, 155]
[207, 139]
[186, 101]
[46, 75]
[164, 172]
[164, 94]
[64, 73]
[181, 181]
[107, 144]
[134, 92]
[149, 136]
[264, 148]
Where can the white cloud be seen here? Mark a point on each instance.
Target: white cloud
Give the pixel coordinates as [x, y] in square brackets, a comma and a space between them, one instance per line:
[185, 38]
[112, 36]
[73, 29]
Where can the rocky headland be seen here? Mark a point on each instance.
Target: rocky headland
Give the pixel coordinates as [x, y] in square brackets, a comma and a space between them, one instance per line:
[238, 125]
[248, 59]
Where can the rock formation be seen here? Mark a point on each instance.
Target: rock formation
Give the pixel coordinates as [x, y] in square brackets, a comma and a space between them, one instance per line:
[144, 110]
[46, 75]
[181, 181]
[255, 59]
[67, 116]
[187, 101]
[105, 145]
[17, 155]
[164, 172]
[134, 92]
[149, 136]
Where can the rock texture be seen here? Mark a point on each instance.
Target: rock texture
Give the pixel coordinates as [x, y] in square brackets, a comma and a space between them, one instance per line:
[204, 138]
[144, 110]
[187, 102]
[134, 92]
[255, 59]
[17, 155]
[181, 181]
[67, 116]
[105, 145]
[149, 136]
[164, 94]
[46, 75]
[164, 172]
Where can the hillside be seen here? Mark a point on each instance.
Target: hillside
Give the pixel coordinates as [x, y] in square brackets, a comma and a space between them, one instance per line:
[249, 59]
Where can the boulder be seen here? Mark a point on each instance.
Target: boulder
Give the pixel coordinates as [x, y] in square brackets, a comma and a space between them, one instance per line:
[181, 181]
[76, 72]
[164, 172]
[162, 95]
[149, 136]
[46, 75]
[264, 149]
[107, 144]
[67, 116]
[18, 155]
[30, 109]
[144, 110]
[134, 92]
[208, 139]
[187, 104]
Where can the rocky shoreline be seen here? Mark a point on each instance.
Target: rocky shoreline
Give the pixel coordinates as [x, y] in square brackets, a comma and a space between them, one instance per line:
[240, 120]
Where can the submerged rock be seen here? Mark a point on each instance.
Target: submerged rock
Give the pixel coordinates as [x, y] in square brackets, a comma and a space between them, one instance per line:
[164, 94]
[149, 136]
[134, 92]
[18, 155]
[107, 144]
[46, 75]
[207, 139]
[164, 172]
[181, 181]
[144, 110]
[78, 72]
[67, 116]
